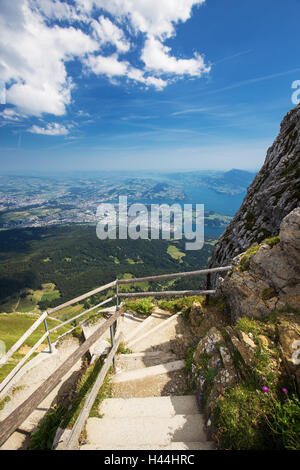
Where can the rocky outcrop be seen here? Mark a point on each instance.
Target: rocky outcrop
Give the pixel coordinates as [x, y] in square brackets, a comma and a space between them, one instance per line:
[273, 194]
[265, 358]
[266, 278]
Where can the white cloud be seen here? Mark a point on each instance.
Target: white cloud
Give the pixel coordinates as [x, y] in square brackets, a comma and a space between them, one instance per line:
[33, 57]
[112, 68]
[50, 129]
[11, 114]
[138, 76]
[108, 33]
[109, 66]
[156, 19]
[153, 17]
[56, 9]
[157, 58]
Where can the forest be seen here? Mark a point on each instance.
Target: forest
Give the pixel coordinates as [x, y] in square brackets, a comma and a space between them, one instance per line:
[76, 261]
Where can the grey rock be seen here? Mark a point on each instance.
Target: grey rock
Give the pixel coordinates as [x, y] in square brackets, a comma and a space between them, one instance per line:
[273, 194]
[272, 280]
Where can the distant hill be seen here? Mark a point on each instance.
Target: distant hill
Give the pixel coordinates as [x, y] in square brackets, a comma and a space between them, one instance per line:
[231, 182]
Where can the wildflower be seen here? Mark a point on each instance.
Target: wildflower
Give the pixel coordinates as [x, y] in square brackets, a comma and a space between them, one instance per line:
[265, 389]
[200, 398]
[284, 390]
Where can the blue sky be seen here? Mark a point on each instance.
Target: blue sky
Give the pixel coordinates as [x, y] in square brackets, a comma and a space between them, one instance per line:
[144, 84]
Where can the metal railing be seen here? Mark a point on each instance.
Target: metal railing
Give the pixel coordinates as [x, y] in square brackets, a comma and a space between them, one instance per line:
[118, 295]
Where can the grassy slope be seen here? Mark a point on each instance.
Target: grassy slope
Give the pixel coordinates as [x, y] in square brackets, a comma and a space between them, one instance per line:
[13, 326]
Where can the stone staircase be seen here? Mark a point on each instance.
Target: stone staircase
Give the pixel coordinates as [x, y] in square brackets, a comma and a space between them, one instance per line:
[146, 411]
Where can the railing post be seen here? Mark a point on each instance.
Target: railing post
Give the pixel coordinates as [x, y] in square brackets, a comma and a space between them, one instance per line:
[48, 337]
[208, 286]
[113, 327]
[117, 295]
[112, 340]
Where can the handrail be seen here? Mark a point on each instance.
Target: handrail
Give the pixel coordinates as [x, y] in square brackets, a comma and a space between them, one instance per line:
[18, 416]
[173, 276]
[81, 314]
[118, 295]
[82, 297]
[166, 293]
[23, 338]
[16, 369]
[72, 441]
[36, 324]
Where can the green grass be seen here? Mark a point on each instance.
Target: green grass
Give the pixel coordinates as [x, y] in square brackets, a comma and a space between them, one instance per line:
[175, 253]
[4, 401]
[123, 350]
[69, 312]
[43, 437]
[183, 304]
[27, 300]
[240, 419]
[143, 306]
[65, 417]
[245, 261]
[272, 241]
[248, 419]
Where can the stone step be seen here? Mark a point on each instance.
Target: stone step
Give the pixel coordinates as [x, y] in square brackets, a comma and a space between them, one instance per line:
[159, 335]
[146, 372]
[138, 431]
[129, 322]
[208, 445]
[160, 407]
[143, 359]
[156, 386]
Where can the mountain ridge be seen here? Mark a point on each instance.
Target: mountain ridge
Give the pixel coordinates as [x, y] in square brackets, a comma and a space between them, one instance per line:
[273, 194]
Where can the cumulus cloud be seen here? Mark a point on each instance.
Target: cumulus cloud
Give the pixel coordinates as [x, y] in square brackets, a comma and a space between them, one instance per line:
[33, 57]
[10, 114]
[50, 129]
[109, 66]
[38, 39]
[108, 33]
[157, 58]
[155, 17]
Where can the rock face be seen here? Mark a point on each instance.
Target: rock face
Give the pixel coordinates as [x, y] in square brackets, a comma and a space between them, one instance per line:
[228, 358]
[274, 193]
[271, 278]
[288, 330]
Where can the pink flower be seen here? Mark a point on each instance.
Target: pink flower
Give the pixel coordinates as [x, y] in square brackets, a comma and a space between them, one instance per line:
[265, 389]
[284, 390]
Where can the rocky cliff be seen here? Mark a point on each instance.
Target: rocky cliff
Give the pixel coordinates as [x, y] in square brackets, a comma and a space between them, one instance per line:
[274, 193]
[266, 277]
[247, 372]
